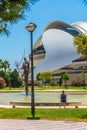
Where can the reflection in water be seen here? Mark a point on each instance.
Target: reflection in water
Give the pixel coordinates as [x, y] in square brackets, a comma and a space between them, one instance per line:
[5, 98]
[26, 98]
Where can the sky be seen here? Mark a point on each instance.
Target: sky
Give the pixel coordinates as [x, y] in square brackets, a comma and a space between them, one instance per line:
[13, 47]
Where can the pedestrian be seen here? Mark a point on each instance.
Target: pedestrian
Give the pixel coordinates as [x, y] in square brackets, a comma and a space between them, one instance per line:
[63, 97]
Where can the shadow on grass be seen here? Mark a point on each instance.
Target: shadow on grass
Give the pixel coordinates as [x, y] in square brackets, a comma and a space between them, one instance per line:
[83, 116]
[33, 118]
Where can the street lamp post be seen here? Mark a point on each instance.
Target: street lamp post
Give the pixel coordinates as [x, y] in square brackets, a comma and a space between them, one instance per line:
[31, 27]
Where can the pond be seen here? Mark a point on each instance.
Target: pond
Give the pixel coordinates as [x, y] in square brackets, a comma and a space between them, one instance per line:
[42, 96]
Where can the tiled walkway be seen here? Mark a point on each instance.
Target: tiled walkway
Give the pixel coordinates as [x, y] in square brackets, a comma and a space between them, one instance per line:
[10, 124]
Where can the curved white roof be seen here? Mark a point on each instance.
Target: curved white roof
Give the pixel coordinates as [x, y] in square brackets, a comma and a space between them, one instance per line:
[57, 40]
[56, 24]
[81, 26]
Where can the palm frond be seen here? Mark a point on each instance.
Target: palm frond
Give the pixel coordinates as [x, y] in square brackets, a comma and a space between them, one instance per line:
[11, 11]
[4, 30]
[84, 1]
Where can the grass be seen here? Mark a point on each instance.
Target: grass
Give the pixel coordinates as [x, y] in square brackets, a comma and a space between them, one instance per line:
[69, 114]
[48, 88]
[62, 87]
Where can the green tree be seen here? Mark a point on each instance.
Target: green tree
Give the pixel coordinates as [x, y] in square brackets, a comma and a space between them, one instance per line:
[65, 78]
[38, 77]
[15, 79]
[12, 79]
[0, 63]
[45, 77]
[80, 42]
[11, 11]
[5, 65]
[84, 1]
[4, 75]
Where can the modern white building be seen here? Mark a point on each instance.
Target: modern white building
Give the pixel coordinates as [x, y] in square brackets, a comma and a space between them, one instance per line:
[55, 48]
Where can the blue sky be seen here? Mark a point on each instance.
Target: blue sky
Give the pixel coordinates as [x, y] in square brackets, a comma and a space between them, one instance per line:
[43, 12]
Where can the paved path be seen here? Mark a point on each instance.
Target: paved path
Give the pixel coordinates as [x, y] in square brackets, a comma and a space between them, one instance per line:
[13, 124]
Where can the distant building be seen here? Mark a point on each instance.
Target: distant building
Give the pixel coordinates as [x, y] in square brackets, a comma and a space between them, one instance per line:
[77, 72]
[55, 49]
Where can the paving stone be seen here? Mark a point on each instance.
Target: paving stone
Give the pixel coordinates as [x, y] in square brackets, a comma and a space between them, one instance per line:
[13, 124]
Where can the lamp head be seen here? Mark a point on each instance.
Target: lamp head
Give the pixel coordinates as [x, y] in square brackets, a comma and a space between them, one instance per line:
[31, 27]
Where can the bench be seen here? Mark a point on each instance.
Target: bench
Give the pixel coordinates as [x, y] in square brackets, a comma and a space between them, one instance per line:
[76, 104]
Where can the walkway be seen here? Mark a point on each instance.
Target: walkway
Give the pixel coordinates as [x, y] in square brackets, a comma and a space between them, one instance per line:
[13, 124]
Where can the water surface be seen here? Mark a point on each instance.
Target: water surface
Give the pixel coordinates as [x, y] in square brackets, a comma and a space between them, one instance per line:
[5, 98]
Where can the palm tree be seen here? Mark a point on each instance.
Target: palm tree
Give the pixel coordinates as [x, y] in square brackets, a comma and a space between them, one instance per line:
[0, 63]
[5, 65]
[65, 78]
[11, 11]
[84, 1]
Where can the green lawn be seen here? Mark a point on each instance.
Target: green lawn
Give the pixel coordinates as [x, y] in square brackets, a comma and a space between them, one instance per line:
[79, 114]
[48, 88]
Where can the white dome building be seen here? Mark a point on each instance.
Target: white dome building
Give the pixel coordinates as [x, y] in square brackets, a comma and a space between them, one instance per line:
[55, 49]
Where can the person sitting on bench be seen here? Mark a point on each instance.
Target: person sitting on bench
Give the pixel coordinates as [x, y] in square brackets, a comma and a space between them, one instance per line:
[63, 97]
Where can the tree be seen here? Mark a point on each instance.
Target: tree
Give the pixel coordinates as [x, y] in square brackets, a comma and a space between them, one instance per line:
[80, 42]
[12, 79]
[11, 11]
[4, 64]
[65, 77]
[15, 79]
[2, 82]
[4, 75]
[38, 77]
[45, 77]
[0, 63]
[84, 1]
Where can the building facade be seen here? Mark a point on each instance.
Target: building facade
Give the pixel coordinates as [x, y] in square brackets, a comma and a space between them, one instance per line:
[55, 49]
